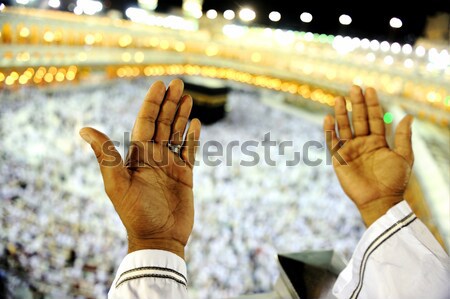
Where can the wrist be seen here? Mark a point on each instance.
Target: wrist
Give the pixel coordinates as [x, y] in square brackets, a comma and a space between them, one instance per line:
[160, 244]
[375, 209]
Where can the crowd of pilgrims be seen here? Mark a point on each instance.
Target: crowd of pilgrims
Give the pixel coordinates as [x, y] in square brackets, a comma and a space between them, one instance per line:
[60, 235]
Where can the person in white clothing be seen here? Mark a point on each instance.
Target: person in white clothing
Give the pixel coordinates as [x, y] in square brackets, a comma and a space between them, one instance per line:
[397, 256]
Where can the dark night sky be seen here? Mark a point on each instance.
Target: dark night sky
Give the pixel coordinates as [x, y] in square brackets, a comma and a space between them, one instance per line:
[369, 18]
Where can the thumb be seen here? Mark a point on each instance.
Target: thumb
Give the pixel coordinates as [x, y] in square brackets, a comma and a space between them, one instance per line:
[402, 140]
[108, 158]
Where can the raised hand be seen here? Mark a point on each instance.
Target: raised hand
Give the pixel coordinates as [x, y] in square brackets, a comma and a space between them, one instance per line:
[152, 191]
[372, 175]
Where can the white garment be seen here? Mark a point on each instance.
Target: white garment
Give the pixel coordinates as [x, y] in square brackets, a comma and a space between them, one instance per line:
[150, 274]
[396, 258]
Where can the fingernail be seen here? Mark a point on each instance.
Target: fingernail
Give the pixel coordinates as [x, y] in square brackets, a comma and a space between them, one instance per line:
[355, 89]
[86, 137]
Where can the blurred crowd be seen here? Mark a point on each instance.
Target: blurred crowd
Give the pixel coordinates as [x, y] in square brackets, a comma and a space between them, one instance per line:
[61, 237]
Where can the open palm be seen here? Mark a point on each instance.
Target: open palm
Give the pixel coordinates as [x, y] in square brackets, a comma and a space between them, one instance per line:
[152, 190]
[372, 175]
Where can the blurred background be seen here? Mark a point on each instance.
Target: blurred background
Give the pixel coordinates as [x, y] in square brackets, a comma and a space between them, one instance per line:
[252, 67]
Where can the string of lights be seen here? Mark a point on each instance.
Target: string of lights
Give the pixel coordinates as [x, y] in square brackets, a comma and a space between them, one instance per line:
[35, 40]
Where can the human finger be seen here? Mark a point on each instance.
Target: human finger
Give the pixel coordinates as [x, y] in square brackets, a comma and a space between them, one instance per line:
[144, 126]
[359, 112]
[402, 139]
[181, 120]
[168, 110]
[111, 165]
[330, 131]
[375, 113]
[340, 111]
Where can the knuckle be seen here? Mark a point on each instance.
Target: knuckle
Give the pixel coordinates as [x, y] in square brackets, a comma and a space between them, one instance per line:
[164, 121]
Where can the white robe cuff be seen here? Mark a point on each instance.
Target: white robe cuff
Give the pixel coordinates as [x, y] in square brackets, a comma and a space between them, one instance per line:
[396, 250]
[150, 274]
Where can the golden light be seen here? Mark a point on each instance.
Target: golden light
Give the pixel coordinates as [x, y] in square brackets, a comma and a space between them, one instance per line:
[212, 50]
[292, 88]
[256, 57]
[222, 73]
[89, 39]
[28, 74]
[126, 57]
[433, 96]
[173, 70]
[330, 100]
[98, 37]
[193, 70]
[70, 75]
[48, 77]
[24, 56]
[49, 36]
[275, 84]
[71, 72]
[9, 80]
[154, 42]
[58, 36]
[120, 72]
[304, 91]
[180, 46]
[128, 71]
[164, 44]
[125, 40]
[285, 86]
[317, 95]
[135, 71]
[139, 57]
[2, 77]
[24, 32]
[23, 79]
[52, 70]
[14, 76]
[147, 71]
[59, 77]
[39, 74]
[37, 80]
[73, 68]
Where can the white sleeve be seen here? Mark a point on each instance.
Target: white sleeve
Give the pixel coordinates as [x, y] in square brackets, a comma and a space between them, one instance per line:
[150, 274]
[396, 258]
